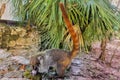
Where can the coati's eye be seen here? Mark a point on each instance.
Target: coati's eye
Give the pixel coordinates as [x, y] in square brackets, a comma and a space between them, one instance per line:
[34, 68]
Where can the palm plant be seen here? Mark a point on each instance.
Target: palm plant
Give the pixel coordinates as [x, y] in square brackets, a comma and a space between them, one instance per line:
[94, 18]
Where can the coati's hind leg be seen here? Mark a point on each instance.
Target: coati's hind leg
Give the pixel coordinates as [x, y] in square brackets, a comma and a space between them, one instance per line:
[63, 65]
[60, 70]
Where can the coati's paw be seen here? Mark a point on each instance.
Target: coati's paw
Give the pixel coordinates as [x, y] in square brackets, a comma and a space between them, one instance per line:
[66, 76]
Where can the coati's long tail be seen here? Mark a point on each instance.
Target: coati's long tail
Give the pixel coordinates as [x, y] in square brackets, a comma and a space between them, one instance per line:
[71, 30]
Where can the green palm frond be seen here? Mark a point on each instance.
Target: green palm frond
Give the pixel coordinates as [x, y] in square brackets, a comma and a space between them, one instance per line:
[95, 19]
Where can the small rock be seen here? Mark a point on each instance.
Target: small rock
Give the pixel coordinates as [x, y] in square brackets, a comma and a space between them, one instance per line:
[14, 74]
[20, 60]
[12, 44]
[75, 70]
[4, 54]
[21, 41]
[13, 32]
[19, 52]
[4, 65]
[29, 41]
[76, 61]
[2, 51]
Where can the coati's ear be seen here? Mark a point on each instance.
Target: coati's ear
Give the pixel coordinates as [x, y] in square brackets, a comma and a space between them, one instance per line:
[34, 60]
[40, 57]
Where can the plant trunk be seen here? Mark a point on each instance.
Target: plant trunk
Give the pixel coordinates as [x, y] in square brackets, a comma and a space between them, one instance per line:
[103, 48]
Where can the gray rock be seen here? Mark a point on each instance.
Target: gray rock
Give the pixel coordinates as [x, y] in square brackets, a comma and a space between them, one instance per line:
[20, 60]
[14, 74]
[76, 61]
[4, 54]
[5, 64]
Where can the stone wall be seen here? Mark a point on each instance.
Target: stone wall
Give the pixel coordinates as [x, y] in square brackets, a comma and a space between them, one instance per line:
[17, 36]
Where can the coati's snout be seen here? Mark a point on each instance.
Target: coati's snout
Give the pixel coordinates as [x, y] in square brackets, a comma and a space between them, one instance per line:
[34, 62]
[34, 70]
[38, 65]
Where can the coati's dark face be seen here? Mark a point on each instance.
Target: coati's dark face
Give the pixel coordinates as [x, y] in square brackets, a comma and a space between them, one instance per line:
[34, 64]
[39, 65]
[43, 64]
[34, 70]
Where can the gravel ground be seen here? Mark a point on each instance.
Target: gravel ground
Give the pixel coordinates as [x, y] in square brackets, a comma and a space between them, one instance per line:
[83, 67]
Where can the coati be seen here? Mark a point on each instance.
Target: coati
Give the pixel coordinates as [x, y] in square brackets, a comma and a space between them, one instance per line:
[57, 58]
